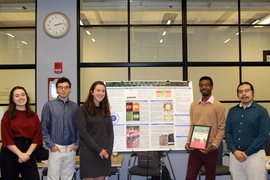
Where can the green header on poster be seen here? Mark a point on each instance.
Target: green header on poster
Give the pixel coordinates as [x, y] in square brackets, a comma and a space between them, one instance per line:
[145, 83]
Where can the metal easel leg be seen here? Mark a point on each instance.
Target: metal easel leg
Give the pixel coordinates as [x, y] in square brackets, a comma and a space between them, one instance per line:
[170, 164]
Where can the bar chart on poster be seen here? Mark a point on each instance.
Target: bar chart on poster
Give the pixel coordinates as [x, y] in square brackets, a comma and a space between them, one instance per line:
[150, 115]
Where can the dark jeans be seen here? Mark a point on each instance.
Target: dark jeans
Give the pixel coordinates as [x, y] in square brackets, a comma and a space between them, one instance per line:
[197, 159]
[11, 168]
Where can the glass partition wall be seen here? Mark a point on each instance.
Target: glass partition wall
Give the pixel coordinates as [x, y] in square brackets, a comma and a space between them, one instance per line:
[150, 40]
[17, 49]
[177, 40]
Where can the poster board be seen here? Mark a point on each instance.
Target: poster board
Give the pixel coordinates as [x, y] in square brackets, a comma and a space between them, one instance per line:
[150, 115]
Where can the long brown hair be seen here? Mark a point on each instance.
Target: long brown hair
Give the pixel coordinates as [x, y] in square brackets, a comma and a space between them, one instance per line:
[104, 104]
[11, 111]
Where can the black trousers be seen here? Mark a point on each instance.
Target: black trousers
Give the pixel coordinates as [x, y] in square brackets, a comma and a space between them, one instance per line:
[11, 168]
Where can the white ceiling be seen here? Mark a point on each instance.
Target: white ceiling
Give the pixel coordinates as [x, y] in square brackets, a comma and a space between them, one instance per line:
[22, 12]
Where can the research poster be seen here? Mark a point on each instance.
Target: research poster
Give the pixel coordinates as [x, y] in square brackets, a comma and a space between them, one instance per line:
[150, 115]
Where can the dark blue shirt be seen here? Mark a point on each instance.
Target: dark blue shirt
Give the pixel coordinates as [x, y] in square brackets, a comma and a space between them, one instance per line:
[59, 123]
[247, 129]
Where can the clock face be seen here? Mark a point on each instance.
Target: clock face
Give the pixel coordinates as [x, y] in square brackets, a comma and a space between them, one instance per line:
[56, 24]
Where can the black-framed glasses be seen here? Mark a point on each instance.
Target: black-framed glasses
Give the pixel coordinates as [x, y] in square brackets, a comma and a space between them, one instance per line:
[242, 91]
[63, 87]
[207, 85]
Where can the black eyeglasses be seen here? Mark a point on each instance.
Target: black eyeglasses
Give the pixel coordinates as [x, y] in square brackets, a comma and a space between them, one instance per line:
[63, 87]
[242, 91]
[207, 85]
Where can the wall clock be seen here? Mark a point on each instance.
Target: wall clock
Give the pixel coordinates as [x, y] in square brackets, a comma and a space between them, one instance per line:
[56, 24]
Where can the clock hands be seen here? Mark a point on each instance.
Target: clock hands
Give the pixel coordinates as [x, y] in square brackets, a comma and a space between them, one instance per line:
[60, 24]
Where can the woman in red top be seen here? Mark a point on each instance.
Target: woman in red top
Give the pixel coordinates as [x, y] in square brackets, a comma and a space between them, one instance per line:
[21, 135]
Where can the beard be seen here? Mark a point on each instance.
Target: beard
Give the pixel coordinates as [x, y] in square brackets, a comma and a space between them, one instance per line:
[205, 94]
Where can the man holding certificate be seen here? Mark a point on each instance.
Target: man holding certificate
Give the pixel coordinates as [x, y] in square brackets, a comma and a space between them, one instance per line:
[207, 123]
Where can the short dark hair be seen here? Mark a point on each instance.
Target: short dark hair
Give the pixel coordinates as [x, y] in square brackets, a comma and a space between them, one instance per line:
[62, 80]
[245, 82]
[207, 78]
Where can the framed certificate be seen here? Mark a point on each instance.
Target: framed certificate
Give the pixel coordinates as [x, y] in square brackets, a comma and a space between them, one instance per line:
[199, 137]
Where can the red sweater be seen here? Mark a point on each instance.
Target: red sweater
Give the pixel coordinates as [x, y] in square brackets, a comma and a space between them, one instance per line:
[21, 127]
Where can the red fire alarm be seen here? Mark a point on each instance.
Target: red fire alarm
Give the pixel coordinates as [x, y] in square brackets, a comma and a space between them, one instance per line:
[58, 67]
